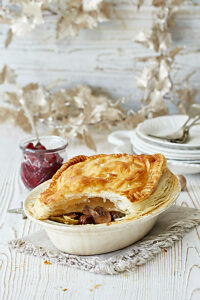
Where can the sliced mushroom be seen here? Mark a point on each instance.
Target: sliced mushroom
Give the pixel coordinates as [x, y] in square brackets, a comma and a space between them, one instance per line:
[100, 215]
[103, 215]
[116, 215]
[86, 219]
[87, 210]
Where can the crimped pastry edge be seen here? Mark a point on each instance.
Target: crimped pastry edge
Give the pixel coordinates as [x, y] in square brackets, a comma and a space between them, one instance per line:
[40, 205]
[155, 174]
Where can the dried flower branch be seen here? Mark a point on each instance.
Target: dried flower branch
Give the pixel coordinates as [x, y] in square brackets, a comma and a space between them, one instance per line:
[155, 79]
[72, 112]
[72, 16]
[7, 75]
[186, 95]
[67, 112]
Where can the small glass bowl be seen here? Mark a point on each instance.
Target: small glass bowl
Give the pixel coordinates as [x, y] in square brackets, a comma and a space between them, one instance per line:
[39, 165]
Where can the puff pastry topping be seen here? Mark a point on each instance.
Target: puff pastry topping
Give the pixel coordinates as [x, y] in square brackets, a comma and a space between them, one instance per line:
[132, 184]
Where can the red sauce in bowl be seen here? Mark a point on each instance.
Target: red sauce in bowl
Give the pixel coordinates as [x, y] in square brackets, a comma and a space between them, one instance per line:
[38, 164]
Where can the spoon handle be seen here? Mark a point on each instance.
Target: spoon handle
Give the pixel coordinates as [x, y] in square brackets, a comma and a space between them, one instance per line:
[183, 139]
[30, 118]
[196, 118]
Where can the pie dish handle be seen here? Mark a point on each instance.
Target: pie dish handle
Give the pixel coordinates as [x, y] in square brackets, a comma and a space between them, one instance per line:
[121, 140]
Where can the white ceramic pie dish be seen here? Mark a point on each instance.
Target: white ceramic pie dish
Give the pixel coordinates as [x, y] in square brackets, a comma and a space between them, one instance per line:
[92, 239]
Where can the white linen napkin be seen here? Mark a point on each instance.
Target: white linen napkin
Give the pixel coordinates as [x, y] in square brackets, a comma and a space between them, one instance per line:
[170, 227]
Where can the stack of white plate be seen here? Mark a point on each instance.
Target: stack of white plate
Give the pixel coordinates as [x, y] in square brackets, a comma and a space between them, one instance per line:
[181, 157]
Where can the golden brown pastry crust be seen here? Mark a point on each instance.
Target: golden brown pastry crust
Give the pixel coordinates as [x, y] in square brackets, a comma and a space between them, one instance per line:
[134, 176]
[134, 184]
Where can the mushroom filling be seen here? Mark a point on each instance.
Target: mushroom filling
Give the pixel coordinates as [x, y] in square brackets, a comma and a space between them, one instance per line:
[97, 215]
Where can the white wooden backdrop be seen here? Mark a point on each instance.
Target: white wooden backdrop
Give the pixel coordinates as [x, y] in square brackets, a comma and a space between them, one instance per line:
[104, 57]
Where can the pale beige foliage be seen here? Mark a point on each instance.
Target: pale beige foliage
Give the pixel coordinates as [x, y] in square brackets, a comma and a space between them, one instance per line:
[186, 95]
[158, 2]
[175, 51]
[155, 79]
[133, 118]
[156, 106]
[67, 112]
[71, 15]
[9, 38]
[6, 114]
[72, 112]
[89, 140]
[22, 121]
[90, 5]
[7, 75]
[140, 3]
[156, 39]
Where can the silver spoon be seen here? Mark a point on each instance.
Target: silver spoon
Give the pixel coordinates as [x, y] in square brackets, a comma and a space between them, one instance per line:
[193, 113]
[185, 135]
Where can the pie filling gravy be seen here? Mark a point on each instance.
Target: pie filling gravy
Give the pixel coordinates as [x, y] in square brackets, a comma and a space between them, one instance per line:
[91, 211]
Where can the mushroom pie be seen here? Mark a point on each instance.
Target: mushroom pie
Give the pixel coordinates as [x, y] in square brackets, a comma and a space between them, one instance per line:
[107, 188]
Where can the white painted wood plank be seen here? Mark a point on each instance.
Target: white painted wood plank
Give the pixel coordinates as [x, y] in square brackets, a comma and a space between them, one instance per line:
[171, 275]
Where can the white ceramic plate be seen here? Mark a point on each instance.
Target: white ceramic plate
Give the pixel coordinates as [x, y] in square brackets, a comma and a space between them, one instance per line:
[92, 239]
[167, 125]
[148, 148]
[178, 167]
[135, 138]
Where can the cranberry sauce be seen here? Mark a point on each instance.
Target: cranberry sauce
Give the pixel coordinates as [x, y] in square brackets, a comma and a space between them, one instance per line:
[38, 165]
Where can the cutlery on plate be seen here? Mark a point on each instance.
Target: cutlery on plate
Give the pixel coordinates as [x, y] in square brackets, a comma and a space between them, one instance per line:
[183, 132]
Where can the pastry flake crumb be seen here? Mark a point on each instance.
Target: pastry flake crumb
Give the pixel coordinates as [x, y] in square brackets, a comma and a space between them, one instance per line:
[108, 224]
[96, 286]
[46, 262]
[64, 290]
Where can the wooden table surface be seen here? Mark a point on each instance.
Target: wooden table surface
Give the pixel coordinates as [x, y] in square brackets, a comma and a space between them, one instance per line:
[174, 274]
